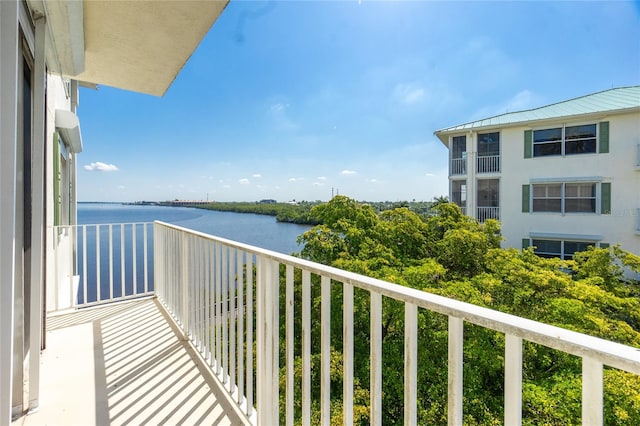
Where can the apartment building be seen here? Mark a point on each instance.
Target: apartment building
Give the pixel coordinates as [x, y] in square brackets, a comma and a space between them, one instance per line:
[559, 177]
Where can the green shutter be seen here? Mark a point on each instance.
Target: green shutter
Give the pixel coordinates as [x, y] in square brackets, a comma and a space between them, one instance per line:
[526, 243]
[604, 137]
[528, 144]
[604, 245]
[526, 196]
[605, 201]
[56, 179]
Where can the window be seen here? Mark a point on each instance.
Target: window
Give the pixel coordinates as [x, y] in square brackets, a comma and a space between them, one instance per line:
[567, 140]
[488, 199]
[458, 155]
[488, 160]
[488, 144]
[459, 147]
[580, 197]
[459, 193]
[564, 249]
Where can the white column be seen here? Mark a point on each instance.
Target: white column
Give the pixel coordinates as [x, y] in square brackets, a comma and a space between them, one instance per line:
[37, 209]
[8, 140]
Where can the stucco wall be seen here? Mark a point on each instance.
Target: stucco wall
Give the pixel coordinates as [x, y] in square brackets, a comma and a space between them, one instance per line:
[618, 167]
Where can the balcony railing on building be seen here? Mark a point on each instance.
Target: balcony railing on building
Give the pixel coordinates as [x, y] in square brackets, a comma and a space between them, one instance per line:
[227, 298]
[485, 213]
[488, 164]
[458, 166]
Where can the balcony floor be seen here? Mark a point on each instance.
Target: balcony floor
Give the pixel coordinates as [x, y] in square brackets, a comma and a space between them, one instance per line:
[124, 364]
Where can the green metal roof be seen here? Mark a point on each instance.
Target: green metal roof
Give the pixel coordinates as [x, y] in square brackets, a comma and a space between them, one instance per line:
[612, 100]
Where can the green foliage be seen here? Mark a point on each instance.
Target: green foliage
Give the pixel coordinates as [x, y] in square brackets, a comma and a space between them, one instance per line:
[284, 212]
[449, 254]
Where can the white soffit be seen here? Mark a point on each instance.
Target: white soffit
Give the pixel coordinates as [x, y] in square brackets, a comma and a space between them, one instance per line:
[142, 45]
[65, 37]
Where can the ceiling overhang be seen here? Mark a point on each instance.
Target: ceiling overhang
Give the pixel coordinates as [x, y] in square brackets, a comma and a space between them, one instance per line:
[137, 45]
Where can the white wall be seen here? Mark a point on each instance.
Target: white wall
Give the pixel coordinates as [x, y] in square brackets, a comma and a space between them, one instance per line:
[618, 167]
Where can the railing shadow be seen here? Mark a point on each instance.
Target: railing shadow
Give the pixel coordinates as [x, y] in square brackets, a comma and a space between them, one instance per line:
[146, 374]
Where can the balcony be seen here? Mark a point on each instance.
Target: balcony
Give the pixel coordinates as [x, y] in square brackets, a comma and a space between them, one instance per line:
[488, 164]
[485, 213]
[211, 310]
[458, 166]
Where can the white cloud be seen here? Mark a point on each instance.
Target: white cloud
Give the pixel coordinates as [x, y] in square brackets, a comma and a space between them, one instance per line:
[318, 183]
[408, 93]
[256, 175]
[243, 181]
[226, 186]
[348, 172]
[374, 180]
[525, 99]
[322, 178]
[429, 174]
[101, 167]
[121, 187]
[294, 179]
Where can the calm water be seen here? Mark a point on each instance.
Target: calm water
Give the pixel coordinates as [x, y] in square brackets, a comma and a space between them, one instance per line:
[257, 230]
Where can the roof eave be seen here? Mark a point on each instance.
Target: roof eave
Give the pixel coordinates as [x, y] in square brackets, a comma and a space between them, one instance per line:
[443, 134]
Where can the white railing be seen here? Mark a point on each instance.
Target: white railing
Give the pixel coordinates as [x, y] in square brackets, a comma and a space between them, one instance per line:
[458, 166]
[95, 264]
[485, 213]
[488, 164]
[226, 297]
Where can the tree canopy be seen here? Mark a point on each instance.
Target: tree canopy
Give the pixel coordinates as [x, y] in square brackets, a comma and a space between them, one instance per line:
[453, 255]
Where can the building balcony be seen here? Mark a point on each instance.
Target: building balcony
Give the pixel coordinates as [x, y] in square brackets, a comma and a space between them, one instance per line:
[202, 341]
[488, 164]
[458, 166]
[485, 213]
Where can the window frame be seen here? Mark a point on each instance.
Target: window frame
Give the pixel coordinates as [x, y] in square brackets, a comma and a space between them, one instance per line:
[563, 141]
[563, 242]
[596, 199]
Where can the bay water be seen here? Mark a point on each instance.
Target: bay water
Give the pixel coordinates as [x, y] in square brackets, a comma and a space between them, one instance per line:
[118, 275]
[253, 229]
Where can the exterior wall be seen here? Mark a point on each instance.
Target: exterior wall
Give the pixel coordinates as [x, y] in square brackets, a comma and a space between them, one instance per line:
[57, 98]
[619, 167]
[26, 193]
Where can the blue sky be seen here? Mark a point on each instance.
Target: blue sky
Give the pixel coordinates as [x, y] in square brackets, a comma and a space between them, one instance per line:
[289, 99]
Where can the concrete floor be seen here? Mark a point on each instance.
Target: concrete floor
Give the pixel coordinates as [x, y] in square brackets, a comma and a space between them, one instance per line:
[124, 364]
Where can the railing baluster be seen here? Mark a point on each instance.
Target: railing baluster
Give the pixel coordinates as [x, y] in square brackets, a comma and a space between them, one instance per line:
[268, 341]
[456, 329]
[122, 264]
[249, 350]
[512, 380]
[110, 261]
[146, 266]
[241, 319]
[410, 364]
[98, 292]
[347, 336]
[289, 318]
[376, 359]
[218, 288]
[232, 320]
[134, 257]
[592, 392]
[84, 263]
[325, 351]
[306, 347]
[225, 317]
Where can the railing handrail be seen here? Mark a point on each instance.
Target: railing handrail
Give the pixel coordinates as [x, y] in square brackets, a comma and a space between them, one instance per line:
[606, 352]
